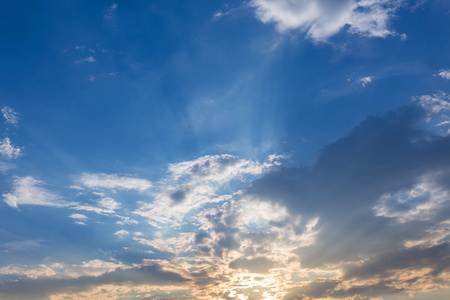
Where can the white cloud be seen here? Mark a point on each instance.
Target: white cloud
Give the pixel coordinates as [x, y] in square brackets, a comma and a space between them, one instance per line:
[192, 184]
[122, 233]
[436, 103]
[95, 267]
[366, 80]
[322, 19]
[105, 206]
[444, 74]
[9, 150]
[126, 221]
[80, 219]
[10, 115]
[29, 191]
[87, 59]
[112, 182]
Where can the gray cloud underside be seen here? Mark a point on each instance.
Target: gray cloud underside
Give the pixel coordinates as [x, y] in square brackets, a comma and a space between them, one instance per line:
[43, 287]
[383, 155]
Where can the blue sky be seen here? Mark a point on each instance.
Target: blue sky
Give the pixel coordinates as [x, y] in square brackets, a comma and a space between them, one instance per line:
[254, 149]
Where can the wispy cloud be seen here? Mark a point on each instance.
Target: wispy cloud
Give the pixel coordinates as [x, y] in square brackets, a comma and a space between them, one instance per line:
[87, 59]
[112, 182]
[111, 11]
[323, 19]
[30, 191]
[10, 115]
[105, 206]
[8, 150]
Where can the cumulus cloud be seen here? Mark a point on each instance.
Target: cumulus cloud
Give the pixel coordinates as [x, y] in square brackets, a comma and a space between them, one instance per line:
[321, 19]
[30, 191]
[8, 150]
[112, 182]
[10, 115]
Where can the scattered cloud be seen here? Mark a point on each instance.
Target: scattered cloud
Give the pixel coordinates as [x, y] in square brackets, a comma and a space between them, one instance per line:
[29, 191]
[122, 233]
[105, 206]
[10, 115]
[79, 218]
[112, 182]
[364, 81]
[321, 19]
[444, 74]
[87, 59]
[111, 11]
[192, 184]
[9, 150]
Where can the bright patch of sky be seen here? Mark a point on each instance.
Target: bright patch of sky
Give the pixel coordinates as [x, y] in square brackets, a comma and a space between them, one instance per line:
[254, 149]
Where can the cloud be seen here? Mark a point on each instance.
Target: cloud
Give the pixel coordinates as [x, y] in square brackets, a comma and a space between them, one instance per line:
[105, 206]
[383, 186]
[254, 265]
[113, 182]
[44, 287]
[16, 246]
[80, 219]
[321, 19]
[29, 191]
[9, 150]
[444, 74]
[10, 115]
[110, 13]
[437, 103]
[364, 81]
[87, 59]
[122, 233]
[192, 184]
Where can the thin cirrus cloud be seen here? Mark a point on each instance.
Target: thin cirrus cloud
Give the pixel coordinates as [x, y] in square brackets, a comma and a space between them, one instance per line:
[87, 59]
[321, 19]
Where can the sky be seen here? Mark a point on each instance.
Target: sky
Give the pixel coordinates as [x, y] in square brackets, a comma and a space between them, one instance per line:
[241, 149]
